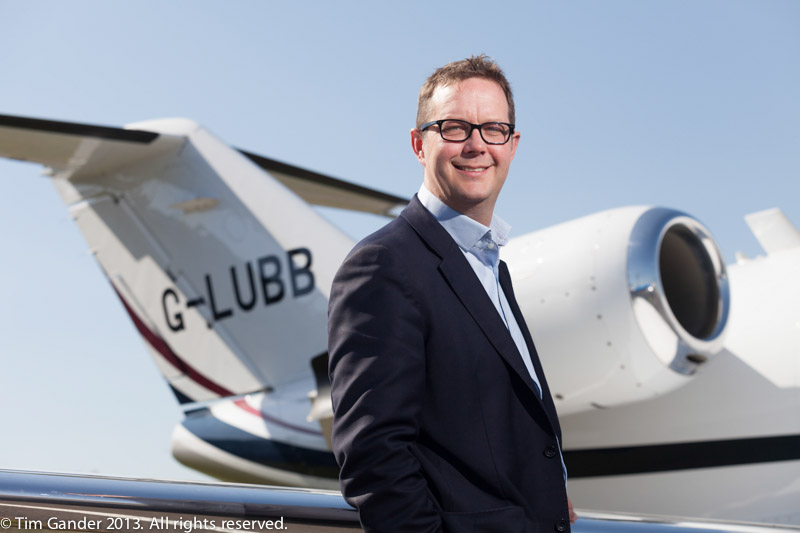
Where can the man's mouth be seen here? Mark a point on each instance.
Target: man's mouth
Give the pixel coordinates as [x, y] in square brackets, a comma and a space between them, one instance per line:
[464, 168]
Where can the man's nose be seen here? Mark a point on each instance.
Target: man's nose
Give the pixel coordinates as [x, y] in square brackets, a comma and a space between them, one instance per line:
[474, 142]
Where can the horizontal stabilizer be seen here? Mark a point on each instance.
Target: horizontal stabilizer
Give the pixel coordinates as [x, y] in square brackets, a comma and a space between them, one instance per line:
[80, 149]
[73, 128]
[89, 150]
[319, 189]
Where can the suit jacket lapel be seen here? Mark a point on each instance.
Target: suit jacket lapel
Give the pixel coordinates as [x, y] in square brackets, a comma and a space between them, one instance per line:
[468, 288]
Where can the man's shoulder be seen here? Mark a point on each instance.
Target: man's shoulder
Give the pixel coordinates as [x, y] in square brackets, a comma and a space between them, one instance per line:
[414, 226]
[392, 256]
[386, 245]
[395, 232]
[407, 241]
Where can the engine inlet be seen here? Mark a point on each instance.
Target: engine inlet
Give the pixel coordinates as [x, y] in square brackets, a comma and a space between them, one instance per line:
[679, 287]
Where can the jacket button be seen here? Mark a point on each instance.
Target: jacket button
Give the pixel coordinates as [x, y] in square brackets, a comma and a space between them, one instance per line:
[561, 525]
[550, 452]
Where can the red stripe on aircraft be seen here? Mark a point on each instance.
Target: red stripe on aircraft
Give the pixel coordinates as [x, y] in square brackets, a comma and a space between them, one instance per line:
[242, 404]
[166, 352]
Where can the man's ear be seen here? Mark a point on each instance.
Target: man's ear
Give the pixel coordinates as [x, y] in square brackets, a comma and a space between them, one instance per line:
[416, 145]
[514, 144]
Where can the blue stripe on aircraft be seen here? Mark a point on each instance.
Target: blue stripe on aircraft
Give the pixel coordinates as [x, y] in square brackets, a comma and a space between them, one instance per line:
[259, 450]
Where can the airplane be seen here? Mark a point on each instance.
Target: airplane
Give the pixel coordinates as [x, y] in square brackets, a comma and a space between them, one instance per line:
[676, 376]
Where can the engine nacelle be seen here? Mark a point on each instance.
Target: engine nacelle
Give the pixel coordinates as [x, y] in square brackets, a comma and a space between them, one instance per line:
[623, 305]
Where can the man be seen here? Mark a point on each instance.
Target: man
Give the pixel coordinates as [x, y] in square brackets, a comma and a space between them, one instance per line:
[443, 420]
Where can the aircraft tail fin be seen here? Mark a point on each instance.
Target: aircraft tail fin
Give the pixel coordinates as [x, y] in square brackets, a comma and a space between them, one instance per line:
[224, 270]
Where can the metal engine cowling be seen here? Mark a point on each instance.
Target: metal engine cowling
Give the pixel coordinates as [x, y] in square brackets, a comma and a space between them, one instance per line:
[623, 305]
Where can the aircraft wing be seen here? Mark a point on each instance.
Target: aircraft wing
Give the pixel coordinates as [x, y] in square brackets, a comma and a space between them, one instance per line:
[68, 146]
[33, 500]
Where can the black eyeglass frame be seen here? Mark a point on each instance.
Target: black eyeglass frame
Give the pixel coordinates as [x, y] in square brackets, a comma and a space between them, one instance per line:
[472, 127]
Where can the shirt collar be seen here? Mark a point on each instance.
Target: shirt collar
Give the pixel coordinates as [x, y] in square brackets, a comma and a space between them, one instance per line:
[464, 230]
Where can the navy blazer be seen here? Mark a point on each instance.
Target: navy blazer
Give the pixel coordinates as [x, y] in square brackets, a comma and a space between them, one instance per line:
[437, 424]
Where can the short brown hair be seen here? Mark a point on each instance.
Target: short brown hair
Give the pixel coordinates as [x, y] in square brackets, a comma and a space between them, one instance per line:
[473, 67]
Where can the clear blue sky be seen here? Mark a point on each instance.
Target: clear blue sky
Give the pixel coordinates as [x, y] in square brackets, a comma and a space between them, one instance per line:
[691, 104]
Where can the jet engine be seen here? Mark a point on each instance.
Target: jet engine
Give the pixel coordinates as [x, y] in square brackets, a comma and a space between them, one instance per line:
[623, 305]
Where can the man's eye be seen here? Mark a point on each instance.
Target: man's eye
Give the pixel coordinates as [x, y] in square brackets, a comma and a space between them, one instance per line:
[495, 129]
[453, 128]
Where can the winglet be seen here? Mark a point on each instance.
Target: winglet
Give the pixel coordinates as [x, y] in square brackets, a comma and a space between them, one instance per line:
[773, 230]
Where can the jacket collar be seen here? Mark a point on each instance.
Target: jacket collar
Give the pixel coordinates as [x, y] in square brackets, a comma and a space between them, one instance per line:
[428, 228]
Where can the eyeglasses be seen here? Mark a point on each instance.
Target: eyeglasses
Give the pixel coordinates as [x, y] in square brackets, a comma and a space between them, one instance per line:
[460, 130]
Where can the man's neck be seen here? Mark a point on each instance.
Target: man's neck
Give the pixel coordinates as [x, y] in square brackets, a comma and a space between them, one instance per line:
[481, 213]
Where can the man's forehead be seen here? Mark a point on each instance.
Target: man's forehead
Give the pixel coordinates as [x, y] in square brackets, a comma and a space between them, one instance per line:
[456, 85]
[485, 91]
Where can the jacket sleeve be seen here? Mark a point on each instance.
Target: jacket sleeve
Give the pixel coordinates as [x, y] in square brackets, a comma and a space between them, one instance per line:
[377, 367]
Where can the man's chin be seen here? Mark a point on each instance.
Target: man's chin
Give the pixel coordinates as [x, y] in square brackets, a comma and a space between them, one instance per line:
[477, 207]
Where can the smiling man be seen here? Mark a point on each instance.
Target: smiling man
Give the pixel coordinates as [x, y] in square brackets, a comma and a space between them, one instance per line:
[443, 420]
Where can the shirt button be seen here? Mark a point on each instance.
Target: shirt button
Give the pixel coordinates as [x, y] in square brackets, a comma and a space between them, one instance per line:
[561, 525]
[550, 452]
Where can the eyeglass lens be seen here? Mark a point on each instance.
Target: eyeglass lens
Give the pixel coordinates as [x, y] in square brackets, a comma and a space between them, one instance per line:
[459, 130]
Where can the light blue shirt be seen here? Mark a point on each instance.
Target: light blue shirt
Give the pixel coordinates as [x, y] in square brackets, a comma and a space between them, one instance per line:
[481, 247]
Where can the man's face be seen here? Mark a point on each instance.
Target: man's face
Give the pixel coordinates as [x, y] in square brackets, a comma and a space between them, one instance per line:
[467, 176]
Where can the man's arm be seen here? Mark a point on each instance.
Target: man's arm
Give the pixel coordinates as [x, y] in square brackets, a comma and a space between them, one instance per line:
[377, 367]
